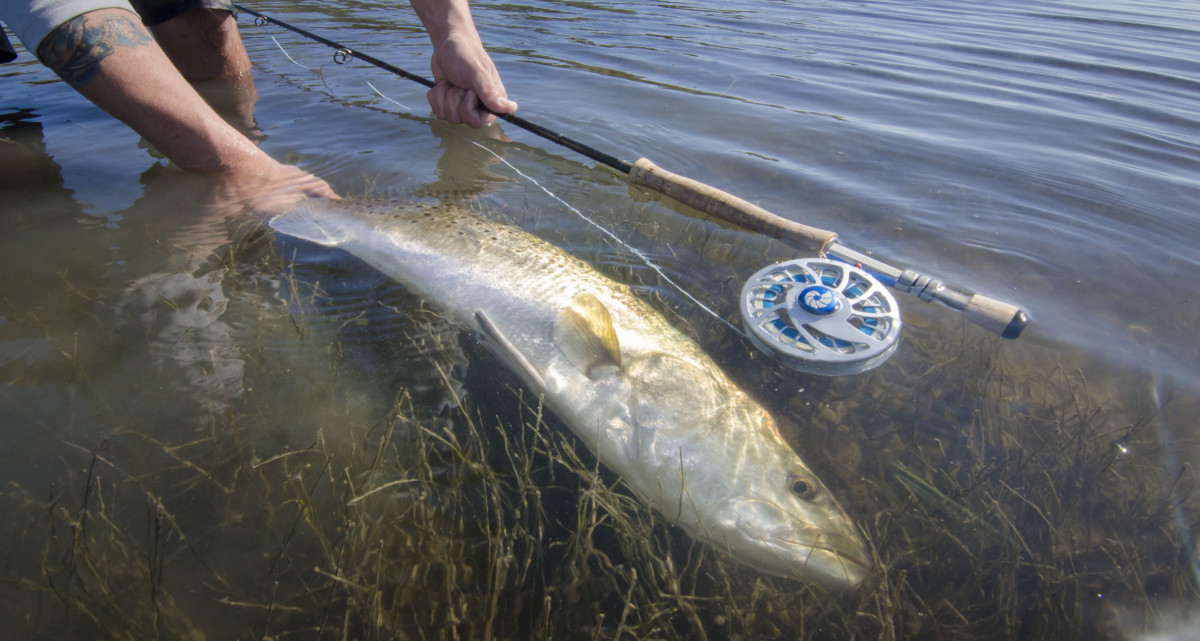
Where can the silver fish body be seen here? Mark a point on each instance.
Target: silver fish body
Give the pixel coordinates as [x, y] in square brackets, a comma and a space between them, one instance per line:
[651, 405]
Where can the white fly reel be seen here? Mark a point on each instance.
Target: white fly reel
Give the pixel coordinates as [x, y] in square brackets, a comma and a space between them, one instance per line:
[821, 316]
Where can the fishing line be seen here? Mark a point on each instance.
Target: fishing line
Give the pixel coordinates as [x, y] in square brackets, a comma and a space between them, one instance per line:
[604, 230]
[289, 56]
[321, 70]
[634, 250]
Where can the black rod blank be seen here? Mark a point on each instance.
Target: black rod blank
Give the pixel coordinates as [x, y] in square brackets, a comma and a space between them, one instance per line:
[553, 136]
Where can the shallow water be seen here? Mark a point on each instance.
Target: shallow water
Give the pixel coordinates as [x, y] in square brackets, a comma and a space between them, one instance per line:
[1043, 154]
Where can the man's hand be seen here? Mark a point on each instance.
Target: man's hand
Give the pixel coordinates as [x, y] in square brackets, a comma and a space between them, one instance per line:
[264, 186]
[467, 80]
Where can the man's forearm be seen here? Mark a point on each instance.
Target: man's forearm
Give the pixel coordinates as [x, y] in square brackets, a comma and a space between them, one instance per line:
[110, 58]
[441, 18]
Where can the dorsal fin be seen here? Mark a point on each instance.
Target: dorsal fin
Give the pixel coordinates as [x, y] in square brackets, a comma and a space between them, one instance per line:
[584, 332]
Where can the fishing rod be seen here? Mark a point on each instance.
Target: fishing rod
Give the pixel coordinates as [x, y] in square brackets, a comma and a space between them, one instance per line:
[825, 314]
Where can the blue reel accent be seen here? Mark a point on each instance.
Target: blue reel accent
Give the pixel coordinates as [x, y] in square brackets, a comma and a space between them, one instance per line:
[819, 300]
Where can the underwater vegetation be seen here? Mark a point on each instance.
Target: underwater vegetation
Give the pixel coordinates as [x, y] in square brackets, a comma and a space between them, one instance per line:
[1002, 497]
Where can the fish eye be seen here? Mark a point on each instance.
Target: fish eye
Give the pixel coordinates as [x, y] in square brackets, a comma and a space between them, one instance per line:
[804, 488]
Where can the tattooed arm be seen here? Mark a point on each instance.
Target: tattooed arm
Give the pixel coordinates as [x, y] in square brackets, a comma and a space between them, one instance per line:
[110, 58]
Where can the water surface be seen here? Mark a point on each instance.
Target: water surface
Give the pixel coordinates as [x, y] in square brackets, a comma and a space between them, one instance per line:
[194, 442]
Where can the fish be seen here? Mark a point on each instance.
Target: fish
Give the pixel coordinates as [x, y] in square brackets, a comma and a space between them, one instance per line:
[648, 402]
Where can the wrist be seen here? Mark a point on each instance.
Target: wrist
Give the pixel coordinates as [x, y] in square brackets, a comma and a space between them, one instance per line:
[209, 146]
[230, 159]
[445, 19]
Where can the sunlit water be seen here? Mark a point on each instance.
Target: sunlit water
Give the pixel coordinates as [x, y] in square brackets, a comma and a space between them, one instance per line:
[1042, 153]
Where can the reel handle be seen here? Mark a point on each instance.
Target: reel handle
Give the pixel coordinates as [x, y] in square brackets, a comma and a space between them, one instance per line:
[997, 316]
[994, 315]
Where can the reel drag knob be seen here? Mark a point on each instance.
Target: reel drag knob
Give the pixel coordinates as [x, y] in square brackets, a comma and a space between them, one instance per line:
[821, 316]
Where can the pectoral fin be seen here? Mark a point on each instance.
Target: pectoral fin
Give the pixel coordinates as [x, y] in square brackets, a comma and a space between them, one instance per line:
[507, 350]
[584, 332]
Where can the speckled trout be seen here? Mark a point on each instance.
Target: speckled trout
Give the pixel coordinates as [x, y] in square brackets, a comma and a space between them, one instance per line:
[648, 402]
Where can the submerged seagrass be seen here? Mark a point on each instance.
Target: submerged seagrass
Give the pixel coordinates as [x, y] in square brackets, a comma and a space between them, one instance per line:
[647, 400]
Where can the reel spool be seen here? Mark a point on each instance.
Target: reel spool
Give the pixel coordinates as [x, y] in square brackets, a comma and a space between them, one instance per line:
[821, 316]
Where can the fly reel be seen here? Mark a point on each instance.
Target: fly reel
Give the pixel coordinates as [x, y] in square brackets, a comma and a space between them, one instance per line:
[821, 316]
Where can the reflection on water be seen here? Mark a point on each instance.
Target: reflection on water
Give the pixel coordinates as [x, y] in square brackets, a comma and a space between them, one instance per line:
[181, 313]
[212, 432]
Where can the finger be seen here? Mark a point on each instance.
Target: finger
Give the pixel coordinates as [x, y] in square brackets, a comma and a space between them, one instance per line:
[437, 99]
[290, 189]
[496, 100]
[317, 188]
[444, 99]
[492, 93]
[454, 105]
[473, 113]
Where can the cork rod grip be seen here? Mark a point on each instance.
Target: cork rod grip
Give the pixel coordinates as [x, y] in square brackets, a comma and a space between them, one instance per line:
[997, 316]
[728, 207]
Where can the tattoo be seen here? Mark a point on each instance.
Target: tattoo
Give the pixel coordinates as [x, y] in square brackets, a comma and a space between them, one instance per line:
[74, 50]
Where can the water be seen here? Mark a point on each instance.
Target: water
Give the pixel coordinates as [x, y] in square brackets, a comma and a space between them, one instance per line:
[184, 434]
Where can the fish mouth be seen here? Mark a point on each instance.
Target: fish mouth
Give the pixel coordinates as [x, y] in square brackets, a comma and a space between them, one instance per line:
[832, 566]
[832, 555]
